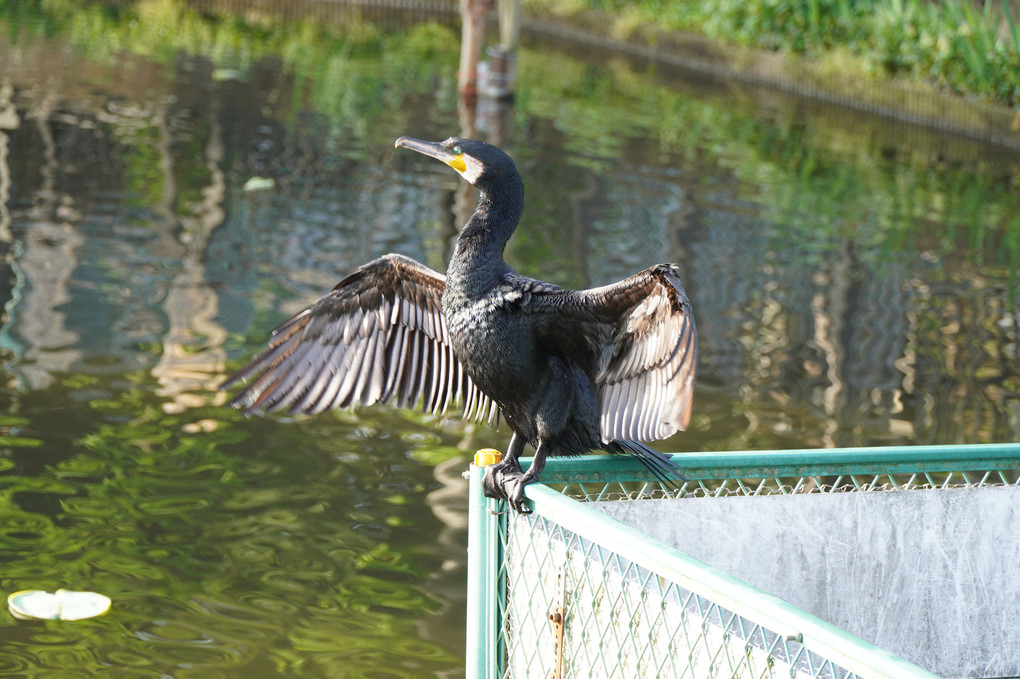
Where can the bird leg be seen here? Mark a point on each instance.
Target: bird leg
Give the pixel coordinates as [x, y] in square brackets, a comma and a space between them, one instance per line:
[493, 482]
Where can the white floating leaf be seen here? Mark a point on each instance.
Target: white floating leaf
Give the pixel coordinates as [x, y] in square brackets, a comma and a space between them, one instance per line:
[259, 184]
[60, 605]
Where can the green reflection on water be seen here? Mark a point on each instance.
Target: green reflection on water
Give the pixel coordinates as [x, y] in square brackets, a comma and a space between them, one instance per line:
[830, 182]
[220, 551]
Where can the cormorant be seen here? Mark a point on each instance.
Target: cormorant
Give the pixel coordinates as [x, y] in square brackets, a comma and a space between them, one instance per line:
[569, 370]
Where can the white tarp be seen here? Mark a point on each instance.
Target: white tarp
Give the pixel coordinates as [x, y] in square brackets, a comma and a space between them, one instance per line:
[931, 575]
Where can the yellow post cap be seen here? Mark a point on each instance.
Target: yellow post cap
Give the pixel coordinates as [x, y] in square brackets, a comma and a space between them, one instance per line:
[487, 456]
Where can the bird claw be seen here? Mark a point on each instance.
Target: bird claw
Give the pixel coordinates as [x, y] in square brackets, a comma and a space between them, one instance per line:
[493, 482]
[515, 494]
[503, 482]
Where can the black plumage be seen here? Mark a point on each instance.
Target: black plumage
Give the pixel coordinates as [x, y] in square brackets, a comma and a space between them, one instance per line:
[568, 370]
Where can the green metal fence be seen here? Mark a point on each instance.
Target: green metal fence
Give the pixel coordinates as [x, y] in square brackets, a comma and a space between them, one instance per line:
[569, 591]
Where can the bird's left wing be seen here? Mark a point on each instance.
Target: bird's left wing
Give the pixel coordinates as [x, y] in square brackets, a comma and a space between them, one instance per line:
[379, 335]
[640, 347]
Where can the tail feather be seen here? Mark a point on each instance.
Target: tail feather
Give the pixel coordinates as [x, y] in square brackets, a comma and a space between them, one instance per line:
[660, 465]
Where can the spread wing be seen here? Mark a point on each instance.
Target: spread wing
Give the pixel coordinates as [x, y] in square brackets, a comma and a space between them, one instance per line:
[640, 347]
[379, 335]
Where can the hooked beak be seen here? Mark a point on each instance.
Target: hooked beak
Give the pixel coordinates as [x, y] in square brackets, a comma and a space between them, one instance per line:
[433, 150]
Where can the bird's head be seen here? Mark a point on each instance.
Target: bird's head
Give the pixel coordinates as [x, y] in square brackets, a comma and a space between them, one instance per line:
[481, 164]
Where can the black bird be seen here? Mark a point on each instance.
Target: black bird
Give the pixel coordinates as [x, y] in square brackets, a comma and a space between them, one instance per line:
[569, 370]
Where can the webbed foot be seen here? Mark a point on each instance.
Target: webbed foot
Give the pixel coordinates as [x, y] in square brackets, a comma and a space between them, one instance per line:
[496, 476]
[504, 481]
[514, 488]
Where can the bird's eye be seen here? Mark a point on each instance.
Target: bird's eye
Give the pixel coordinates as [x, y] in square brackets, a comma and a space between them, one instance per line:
[457, 151]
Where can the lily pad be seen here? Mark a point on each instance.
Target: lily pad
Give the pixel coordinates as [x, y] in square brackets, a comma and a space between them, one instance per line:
[33, 604]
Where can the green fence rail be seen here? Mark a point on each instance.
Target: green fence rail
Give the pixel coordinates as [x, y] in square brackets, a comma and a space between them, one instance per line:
[571, 592]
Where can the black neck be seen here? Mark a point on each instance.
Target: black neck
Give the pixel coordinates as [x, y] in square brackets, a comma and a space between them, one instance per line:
[479, 251]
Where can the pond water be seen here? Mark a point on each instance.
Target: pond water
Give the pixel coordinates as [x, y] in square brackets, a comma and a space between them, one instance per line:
[854, 283]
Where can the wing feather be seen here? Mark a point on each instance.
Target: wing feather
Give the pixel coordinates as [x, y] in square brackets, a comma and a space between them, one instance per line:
[379, 335]
[415, 374]
[396, 358]
[279, 386]
[359, 391]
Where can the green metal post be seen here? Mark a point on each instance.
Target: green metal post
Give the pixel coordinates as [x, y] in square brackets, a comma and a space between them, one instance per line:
[483, 564]
[477, 581]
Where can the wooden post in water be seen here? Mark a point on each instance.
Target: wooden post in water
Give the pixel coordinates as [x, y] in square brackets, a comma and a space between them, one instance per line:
[509, 24]
[501, 76]
[472, 34]
[498, 79]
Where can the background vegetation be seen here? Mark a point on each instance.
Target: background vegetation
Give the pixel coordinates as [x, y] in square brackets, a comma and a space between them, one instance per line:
[966, 47]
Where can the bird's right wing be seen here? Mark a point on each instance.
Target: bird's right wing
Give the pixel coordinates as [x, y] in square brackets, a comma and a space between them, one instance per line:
[637, 340]
[379, 335]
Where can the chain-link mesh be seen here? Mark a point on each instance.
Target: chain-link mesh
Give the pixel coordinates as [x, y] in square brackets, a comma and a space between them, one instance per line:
[573, 606]
[622, 620]
[588, 491]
